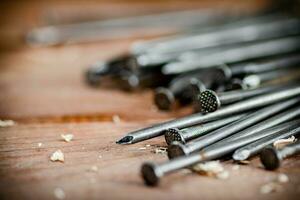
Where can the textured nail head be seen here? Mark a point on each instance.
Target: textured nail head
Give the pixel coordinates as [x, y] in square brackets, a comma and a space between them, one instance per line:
[209, 101]
[174, 134]
[177, 149]
[270, 158]
[151, 174]
[164, 98]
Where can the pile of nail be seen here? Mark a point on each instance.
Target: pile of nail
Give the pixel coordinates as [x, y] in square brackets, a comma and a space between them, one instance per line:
[242, 78]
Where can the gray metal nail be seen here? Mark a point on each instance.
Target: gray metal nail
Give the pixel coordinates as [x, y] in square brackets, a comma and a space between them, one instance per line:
[235, 54]
[152, 173]
[219, 134]
[256, 102]
[210, 101]
[187, 134]
[272, 158]
[252, 149]
[282, 117]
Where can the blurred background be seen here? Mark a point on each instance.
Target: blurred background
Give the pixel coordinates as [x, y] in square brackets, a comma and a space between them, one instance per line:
[43, 67]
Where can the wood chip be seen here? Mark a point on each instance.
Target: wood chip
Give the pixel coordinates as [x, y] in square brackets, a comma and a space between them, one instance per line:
[235, 167]
[142, 148]
[57, 156]
[282, 178]
[244, 162]
[223, 175]
[94, 168]
[40, 144]
[67, 137]
[270, 188]
[116, 119]
[212, 169]
[160, 150]
[278, 144]
[6, 123]
[59, 193]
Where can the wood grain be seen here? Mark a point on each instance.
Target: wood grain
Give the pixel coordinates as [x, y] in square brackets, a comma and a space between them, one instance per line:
[27, 172]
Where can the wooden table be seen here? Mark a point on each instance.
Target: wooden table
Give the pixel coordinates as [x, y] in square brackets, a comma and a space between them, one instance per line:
[42, 89]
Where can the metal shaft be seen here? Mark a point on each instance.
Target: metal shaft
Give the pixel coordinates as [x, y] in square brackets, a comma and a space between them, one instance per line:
[186, 134]
[283, 62]
[152, 173]
[251, 149]
[282, 117]
[256, 102]
[230, 34]
[255, 80]
[219, 134]
[245, 52]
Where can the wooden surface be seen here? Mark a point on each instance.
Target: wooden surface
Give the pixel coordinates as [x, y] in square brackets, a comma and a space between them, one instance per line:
[42, 89]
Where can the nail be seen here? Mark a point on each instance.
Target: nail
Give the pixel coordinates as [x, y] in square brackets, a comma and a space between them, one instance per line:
[210, 101]
[112, 68]
[283, 62]
[252, 149]
[187, 134]
[272, 158]
[228, 34]
[256, 102]
[235, 84]
[130, 81]
[126, 27]
[267, 78]
[234, 127]
[234, 54]
[152, 173]
[185, 86]
[282, 117]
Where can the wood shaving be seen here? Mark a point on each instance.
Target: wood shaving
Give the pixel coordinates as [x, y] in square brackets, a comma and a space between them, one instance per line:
[270, 188]
[57, 156]
[142, 148]
[244, 162]
[282, 178]
[94, 168]
[59, 193]
[6, 123]
[67, 137]
[116, 119]
[236, 167]
[223, 175]
[212, 169]
[100, 156]
[278, 144]
[160, 150]
[148, 145]
[40, 144]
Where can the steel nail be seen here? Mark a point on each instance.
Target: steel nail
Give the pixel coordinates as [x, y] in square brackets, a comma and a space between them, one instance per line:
[256, 102]
[272, 158]
[235, 54]
[187, 134]
[152, 173]
[234, 127]
[282, 117]
[251, 149]
[210, 101]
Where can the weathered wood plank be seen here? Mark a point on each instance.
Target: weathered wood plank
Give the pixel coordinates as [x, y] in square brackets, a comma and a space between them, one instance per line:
[27, 172]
